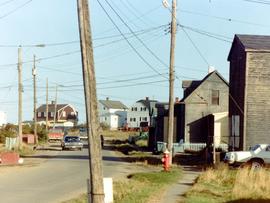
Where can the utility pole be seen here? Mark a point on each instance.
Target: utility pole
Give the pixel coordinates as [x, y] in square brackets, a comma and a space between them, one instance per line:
[171, 87]
[20, 96]
[34, 73]
[47, 105]
[55, 108]
[96, 195]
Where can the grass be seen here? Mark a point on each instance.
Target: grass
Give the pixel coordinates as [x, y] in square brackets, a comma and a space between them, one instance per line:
[118, 134]
[139, 187]
[225, 185]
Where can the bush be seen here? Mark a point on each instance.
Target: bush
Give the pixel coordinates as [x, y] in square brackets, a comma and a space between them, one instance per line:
[104, 126]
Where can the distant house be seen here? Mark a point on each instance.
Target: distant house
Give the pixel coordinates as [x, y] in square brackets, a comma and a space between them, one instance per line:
[249, 104]
[3, 118]
[113, 113]
[201, 114]
[66, 115]
[143, 111]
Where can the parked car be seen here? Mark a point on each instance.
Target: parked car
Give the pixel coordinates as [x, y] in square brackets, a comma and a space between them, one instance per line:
[256, 157]
[72, 142]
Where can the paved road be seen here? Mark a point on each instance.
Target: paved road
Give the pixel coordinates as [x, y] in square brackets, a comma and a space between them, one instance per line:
[59, 175]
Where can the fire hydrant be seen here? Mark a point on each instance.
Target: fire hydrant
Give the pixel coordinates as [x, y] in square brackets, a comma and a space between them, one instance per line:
[165, 160]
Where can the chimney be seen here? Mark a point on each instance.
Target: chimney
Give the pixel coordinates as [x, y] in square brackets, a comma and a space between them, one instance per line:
[146, 98]
[211, 69]
[176, 99]
[52, 102]
[107, 98]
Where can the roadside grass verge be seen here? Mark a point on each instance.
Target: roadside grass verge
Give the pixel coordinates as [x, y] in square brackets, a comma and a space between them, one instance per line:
[121, 135]
[139, 187]
[225, 185]
[142, 187]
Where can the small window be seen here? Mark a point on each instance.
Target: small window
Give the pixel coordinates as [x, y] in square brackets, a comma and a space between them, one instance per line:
[134, 119]
[39, 114]
[141, 108]
[140, 118]
[52, 114]
[105, 118]
[145, 118]
[132, 109]
[64, 114]
[135, 108]
[144, 108]
[104, 108]
[215, 97]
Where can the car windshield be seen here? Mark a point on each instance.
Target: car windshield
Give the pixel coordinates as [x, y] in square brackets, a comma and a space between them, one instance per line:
[72, 139]
[254, 148]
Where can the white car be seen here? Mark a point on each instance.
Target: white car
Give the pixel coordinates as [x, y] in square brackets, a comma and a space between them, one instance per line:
[256, 157]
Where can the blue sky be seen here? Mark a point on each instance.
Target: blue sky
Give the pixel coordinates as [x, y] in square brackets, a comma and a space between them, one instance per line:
[121, 73]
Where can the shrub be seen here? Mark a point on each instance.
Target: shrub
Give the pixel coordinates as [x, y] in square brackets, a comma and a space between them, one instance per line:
[104, 126]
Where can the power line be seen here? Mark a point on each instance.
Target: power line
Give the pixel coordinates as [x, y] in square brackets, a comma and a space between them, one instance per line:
[259, 1]
[6, 2]
[196, 47]
[14, 10]
[148, 49]
[134, 49]
[224, 18]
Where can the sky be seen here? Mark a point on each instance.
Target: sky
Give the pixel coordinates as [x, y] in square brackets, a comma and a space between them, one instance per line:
[131, 47]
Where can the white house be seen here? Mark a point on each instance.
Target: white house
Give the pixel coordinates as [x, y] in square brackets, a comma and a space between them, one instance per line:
[3, 118]
[113, 113]
[143, 110]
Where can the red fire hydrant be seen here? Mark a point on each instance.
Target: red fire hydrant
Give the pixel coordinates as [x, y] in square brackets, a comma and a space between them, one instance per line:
[165, 160]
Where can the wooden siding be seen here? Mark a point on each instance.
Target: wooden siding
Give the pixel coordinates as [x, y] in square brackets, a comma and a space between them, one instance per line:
[199, 104]
[237, 88]
[258, 99]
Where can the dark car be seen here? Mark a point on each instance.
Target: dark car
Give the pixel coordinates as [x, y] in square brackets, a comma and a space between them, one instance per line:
[72, 142]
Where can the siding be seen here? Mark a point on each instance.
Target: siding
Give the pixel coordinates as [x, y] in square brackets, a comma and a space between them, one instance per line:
[199, 105]
[258, 99]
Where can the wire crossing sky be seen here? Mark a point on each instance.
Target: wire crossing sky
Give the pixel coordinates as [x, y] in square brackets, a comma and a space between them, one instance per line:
[131, 47]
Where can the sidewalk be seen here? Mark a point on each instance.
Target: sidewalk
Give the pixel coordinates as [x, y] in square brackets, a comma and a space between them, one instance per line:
[175, 192]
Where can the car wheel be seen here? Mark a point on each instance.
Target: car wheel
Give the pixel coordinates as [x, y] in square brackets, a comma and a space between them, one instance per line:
[256, 165]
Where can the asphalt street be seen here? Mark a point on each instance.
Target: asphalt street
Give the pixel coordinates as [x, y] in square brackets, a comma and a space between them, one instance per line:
[54, 176]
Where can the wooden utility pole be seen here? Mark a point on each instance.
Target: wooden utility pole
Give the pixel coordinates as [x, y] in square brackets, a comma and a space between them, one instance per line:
[34, 73]
[96, 195]
[55, 108]
[20, 95]
[172, 78]
[47, 105]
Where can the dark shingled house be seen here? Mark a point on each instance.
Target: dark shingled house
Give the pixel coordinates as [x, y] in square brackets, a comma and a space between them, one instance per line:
[249, 104]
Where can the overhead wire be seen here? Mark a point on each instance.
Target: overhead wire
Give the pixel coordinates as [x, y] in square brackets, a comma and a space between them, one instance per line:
[134, 49]
[14, 10]
[148, 49]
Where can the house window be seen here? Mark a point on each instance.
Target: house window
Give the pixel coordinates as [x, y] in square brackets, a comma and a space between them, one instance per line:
[135, 108]
[105, 118]
[39, 114]
[134, 119]
[64, 114]
[52, 114]
[215, 97]
[140, 118]
[141, 108]
[104, 108]
[144, 108]
[145, 119]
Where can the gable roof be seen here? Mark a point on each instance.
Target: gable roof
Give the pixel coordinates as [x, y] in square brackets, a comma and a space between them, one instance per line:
[148, 103]
[51, 107]
[113, 104]
[251, 43]
[202, 81]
